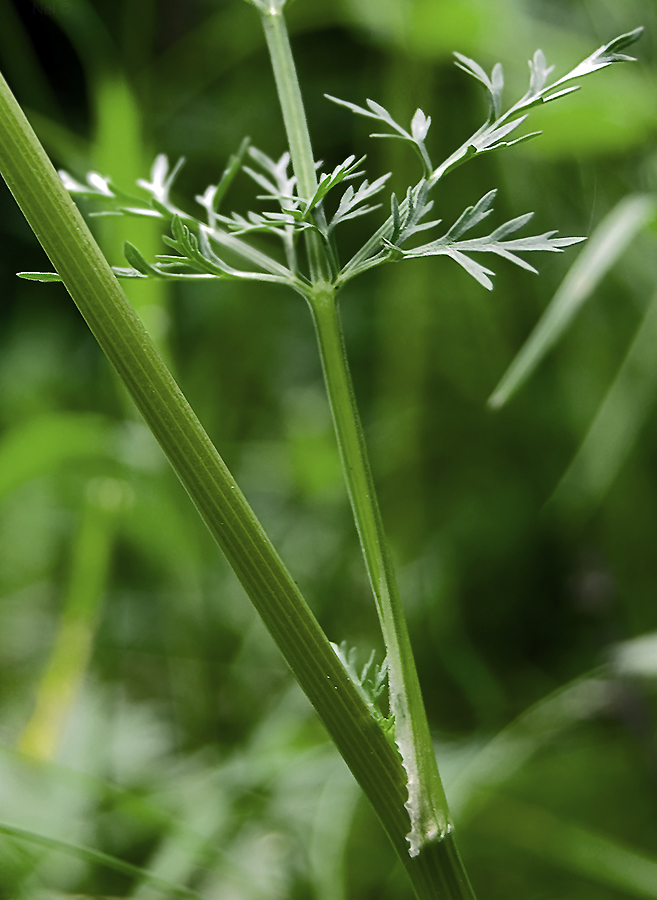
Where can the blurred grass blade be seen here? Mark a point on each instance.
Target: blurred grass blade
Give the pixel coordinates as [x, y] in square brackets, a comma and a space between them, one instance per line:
[97, 857]
[514, 746]
[329, 839]
[64, 674]
[599, 858]
[617, 423]
[607, 243]
[38, 447]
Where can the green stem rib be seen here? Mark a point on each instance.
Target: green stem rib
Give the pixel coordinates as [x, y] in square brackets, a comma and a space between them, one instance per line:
[91, 283]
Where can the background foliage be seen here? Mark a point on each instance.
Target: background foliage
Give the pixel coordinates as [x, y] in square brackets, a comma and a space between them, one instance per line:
[145, 713]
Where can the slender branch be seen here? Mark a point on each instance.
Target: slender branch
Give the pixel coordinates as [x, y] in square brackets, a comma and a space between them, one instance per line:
[289, 94]
[426, 802]
[296, 126]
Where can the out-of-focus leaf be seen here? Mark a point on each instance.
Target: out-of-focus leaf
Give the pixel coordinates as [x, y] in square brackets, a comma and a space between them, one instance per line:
[637, 657]
[513, 747]
[88, 854]
[39, 446]
[617, 423]
[583, 851]
[607, 243]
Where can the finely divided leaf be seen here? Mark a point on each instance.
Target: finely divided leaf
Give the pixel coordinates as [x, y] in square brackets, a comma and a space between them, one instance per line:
[162, 179]
[410, 222]
[277, 182]
[96, 185]
[458, 250]
[375, 111]
[351, 203]
[419, 126]
[478, 272]
[511, 226]
[497, 87]
[607, 243]
[268, 222]
[493, 85]
[604, 56]
[371, 681]
[499, 125]
[346, 170]
[539, 73]
[123, 272]
[473, 68]
[471, 216]
[137, 261]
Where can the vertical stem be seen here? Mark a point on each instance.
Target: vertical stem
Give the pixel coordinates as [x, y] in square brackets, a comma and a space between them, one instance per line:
[296, 126]
[426, 804]
[64, 674]
[289, 95]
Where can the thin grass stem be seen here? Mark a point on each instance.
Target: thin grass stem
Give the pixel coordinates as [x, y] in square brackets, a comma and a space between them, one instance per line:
[64, 674]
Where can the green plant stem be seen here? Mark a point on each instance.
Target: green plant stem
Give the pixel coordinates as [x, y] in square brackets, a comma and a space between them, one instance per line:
[71, 248]
[426, 803]
[296, 126]
[289, 93]
[97, 857]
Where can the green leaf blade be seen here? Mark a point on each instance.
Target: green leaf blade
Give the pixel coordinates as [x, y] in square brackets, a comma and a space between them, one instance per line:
[39, 276]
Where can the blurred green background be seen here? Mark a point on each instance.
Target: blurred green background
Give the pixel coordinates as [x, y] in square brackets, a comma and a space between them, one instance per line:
[146, 714]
